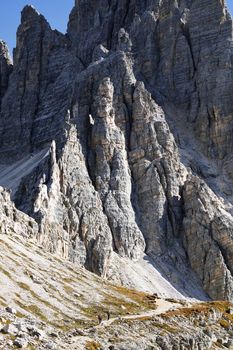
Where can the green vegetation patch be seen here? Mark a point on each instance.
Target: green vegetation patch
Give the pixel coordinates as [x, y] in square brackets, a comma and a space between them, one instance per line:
[33, 309]
[5, 272]
[92, 345]
[225, 324]
[166, 327]
[145, 300]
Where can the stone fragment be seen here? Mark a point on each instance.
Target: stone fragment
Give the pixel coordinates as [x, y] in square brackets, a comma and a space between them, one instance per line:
[11, 310]
[50, 345]
[20, 343]
[21, 327]
[10, 329]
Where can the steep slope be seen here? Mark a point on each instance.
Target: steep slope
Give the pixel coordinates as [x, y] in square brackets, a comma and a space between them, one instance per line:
[47, 303]
[116, 140]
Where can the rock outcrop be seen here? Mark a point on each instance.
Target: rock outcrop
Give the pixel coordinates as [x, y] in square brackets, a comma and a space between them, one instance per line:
[40, 90]
[5, 68]
[14, 221]
[116, 137]
[208, 238]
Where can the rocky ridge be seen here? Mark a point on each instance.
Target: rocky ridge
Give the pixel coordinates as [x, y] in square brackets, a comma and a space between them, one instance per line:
[116, 141]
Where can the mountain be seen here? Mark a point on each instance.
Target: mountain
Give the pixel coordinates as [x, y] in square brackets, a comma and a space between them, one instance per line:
[116, 143]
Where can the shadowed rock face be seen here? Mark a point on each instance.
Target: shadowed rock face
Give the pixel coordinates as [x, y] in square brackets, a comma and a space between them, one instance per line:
[5, 68]
[183, 51]
[125, 124]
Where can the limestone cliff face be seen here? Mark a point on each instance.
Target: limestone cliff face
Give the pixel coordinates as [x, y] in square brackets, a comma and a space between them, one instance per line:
[182, 49]
[116, 138]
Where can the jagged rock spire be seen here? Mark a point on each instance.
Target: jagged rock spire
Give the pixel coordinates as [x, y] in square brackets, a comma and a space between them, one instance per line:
[5, 68]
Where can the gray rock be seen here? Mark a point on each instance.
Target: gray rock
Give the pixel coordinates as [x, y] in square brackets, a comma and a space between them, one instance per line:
[20, 343]
[36, 279]
[36, 332]
[11, 310]
[230, 310]
[50, 345]
[54, 335]
[21, 327]
[9, 329]
[9, 343]
[229, 344]
[207, 223]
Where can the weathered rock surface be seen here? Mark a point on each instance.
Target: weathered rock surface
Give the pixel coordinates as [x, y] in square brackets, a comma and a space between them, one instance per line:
[40, 90]
[208, 238]
[14, 221]
[116, 139]
[5, 68]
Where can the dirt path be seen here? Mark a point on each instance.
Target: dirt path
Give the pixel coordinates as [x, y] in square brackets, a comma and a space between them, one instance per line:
[162, 306]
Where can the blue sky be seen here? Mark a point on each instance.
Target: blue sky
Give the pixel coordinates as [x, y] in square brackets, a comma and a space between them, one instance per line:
[230, 6]
[55, 11]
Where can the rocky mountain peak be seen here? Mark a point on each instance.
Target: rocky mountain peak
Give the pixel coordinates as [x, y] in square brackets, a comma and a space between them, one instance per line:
[116, 141]
[29, 11]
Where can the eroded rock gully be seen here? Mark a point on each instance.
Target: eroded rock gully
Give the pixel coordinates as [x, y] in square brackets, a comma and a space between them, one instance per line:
[116, 139]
